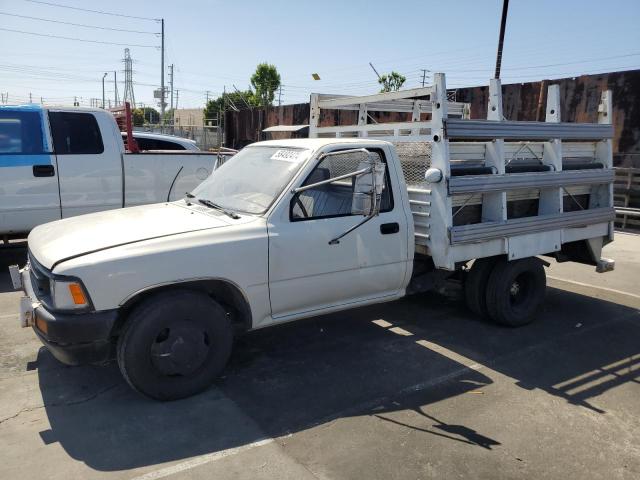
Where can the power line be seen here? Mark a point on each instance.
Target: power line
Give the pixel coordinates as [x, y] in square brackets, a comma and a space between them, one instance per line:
[559, 64]
[92, 11]
[77, 24]
[77, 39]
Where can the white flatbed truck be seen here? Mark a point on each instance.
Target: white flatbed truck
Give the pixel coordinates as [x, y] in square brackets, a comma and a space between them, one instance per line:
[296, 228]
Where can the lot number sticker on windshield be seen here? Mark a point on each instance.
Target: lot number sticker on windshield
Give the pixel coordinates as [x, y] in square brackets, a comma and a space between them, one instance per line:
[293, 156]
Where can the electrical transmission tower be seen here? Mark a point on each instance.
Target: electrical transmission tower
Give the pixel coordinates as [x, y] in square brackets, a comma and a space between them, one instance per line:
[128, 95]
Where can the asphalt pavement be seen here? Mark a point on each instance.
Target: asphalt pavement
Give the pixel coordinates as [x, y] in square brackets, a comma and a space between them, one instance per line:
[413, 389]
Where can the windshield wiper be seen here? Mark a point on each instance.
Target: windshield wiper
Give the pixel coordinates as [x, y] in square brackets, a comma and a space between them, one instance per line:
[210, 204]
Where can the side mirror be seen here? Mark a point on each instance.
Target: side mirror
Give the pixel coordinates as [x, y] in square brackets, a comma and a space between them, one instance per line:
[368, 187]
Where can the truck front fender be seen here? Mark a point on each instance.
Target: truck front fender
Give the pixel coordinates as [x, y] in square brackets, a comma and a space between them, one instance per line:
[224, 291]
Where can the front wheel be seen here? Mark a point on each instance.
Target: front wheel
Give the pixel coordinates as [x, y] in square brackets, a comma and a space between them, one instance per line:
[174, 344]
[515, 291]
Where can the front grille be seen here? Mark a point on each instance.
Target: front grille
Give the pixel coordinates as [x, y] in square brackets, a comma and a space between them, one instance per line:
[39, 278]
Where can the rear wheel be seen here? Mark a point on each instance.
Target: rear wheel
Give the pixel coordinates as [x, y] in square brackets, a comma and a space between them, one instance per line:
[475, 285]
[174, 344]
[515, 291]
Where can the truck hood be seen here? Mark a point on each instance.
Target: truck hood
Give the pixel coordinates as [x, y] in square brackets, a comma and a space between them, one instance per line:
[55, 242]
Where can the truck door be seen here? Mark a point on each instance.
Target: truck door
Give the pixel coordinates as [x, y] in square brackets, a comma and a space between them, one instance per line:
[28, 173]
[90, 165]
[308, 274]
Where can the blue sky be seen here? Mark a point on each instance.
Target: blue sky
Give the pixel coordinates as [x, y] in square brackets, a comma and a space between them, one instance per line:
[217, 44]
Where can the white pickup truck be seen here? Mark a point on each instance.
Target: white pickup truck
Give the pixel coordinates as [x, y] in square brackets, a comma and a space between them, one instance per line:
[60, 162]
[289, 229]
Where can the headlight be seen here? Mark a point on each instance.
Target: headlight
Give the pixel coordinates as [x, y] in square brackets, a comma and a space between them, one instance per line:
[68, 295]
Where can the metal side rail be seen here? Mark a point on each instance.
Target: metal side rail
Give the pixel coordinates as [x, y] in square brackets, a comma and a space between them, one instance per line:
[515, 181]
[632, 212]
[519, 130]
[481, 232]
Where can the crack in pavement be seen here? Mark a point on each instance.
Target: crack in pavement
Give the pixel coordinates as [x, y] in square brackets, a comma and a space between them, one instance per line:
[61, 404]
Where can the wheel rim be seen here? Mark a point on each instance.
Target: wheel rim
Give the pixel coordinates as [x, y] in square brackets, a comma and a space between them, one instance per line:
[180, 348]
[520, 289]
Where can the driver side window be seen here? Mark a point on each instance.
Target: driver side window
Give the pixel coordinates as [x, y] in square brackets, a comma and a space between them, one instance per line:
[333, 199]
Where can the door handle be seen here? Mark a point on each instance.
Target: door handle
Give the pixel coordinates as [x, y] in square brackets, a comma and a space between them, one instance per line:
[43, 171]
[389, 228]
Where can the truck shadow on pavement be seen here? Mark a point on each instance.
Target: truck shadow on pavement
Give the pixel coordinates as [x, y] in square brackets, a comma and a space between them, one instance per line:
[373, 361]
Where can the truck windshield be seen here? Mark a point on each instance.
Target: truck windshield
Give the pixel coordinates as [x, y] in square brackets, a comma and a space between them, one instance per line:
[251, 180]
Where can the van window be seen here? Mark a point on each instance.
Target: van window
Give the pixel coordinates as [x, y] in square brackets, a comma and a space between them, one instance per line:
[75, 133]
[20, 132]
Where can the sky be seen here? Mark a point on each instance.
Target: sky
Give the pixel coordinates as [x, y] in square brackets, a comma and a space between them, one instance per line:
[216, 45]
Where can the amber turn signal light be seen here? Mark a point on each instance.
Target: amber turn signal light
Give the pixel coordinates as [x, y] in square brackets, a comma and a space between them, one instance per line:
[77, 294]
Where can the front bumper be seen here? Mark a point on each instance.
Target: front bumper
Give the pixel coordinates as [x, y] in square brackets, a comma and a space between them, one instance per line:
[73, 338]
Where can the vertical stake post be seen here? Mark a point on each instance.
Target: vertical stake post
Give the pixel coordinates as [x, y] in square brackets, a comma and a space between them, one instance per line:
[494, 205]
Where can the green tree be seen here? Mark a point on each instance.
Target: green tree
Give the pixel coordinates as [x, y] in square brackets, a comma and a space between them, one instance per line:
[138, 117]
[230, 100]
[212, 108]
[151, 115]
[146, 115]
[265, 81]
[391, 82]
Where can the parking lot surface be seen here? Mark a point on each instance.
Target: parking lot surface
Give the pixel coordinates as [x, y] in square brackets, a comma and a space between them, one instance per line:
[417, 388]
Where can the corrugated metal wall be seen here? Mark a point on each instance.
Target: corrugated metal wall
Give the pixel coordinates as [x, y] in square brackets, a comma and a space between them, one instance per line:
[579, 97]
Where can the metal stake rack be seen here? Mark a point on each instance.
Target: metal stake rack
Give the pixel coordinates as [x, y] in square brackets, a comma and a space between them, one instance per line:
[528, 188]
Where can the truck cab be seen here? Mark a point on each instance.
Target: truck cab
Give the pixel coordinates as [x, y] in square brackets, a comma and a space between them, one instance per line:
[54, 164]
[58, 162]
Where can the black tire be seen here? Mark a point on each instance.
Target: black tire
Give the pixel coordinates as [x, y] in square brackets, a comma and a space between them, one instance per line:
[515, 291]
[174, 344]
[475, 285]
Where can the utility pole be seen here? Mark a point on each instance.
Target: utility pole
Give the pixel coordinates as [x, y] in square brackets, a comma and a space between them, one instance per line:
[173, 114]
[424, 75]
[223, 109]
[115, 89]
[144, 112]
[280, 95]
[207, 96]
[103, 77]
[171, 83]
[162, 93]
[30, 98]
[374, 69]
[503, 24]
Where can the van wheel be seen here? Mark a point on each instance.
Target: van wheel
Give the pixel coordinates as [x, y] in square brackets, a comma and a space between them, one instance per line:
[515, 291]
[475, 285]
[174, 344]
